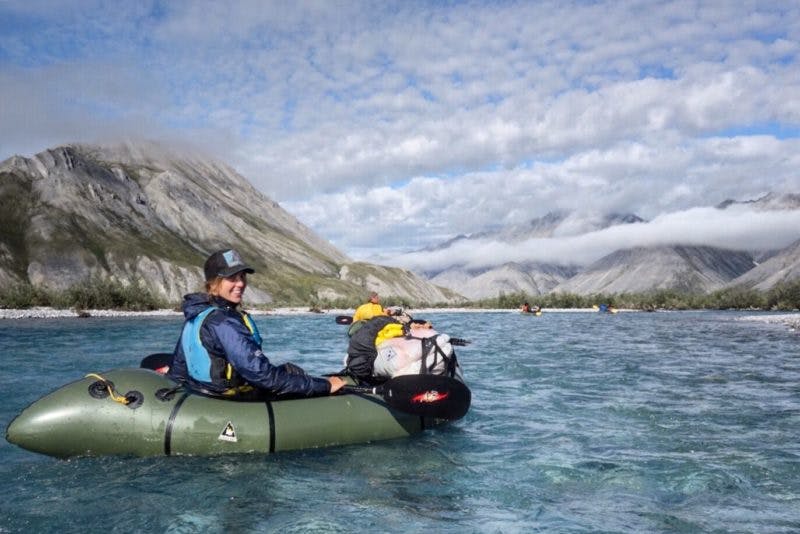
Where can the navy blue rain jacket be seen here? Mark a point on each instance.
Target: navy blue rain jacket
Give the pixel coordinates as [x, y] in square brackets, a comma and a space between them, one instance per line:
[225, 334]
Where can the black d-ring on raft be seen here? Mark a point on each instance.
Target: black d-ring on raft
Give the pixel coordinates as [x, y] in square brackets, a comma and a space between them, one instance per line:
[99, 389]
[134, 398]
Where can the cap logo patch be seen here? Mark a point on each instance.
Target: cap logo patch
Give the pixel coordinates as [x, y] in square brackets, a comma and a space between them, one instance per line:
[232, 258]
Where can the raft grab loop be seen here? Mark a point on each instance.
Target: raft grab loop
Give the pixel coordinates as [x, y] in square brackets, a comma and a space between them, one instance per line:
[103, 388]
[167, 394]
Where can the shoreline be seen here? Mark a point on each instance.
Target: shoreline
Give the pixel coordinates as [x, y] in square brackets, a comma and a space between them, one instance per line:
[790, 319]
[53, 313]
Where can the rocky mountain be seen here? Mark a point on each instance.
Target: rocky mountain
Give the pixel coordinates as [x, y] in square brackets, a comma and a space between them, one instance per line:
[783, 266]
[533, 278]
[683, 268]
[552, 224]
[77, 213]
[630, 269]
[769, 201]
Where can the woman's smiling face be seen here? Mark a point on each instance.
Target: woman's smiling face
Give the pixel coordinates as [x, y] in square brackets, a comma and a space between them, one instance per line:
[231, 288]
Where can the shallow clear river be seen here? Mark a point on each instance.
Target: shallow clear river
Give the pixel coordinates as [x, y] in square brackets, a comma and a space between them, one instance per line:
[581, 422]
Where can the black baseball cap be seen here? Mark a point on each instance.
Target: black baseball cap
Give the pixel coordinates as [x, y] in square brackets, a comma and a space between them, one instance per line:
[225, 263]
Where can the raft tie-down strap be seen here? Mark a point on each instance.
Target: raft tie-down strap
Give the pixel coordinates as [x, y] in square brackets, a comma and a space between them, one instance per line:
[171, 422]
[271, 423]
[132, 399]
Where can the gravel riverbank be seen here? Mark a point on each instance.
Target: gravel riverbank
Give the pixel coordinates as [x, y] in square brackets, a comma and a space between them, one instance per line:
[52, 313]
[792, 320]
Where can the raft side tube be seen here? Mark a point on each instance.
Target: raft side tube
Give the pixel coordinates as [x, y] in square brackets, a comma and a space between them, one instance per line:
[209, 426]
[71, 421]
[339, 420]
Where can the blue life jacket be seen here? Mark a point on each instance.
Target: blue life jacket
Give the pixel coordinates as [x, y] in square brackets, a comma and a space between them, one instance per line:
[204, 366]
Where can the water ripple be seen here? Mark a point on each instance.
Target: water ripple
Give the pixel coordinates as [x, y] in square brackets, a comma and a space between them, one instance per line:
[581, 422]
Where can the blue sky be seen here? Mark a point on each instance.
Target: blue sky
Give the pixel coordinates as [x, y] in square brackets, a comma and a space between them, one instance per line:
[389, 126]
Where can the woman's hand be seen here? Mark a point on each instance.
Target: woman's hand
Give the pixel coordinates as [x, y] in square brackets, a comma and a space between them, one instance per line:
[336, 383]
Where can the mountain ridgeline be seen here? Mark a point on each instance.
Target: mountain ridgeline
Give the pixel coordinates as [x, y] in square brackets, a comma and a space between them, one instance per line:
[689, 269]
[142, 214]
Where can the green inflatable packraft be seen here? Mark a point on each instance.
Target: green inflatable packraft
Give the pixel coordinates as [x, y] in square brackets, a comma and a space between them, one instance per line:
[140, 412]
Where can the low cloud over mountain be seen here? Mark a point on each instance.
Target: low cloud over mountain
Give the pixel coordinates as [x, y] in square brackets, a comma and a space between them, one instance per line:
[747, 227]
[510, 259]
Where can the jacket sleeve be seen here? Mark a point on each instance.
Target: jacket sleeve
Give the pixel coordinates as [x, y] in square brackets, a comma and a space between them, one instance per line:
[246, 357]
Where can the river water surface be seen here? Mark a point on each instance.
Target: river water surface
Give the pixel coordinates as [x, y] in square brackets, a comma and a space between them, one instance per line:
[581, 422]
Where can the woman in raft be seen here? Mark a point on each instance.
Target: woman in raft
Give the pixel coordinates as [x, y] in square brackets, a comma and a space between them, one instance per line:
[219, 351]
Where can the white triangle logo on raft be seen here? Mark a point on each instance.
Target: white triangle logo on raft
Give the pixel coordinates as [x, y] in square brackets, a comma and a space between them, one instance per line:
[228, 433]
